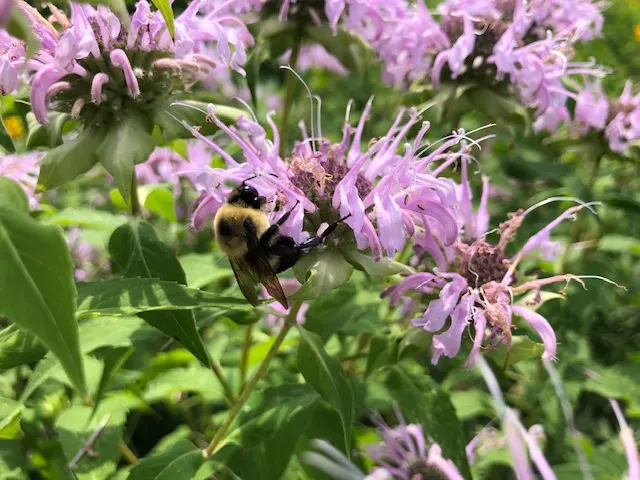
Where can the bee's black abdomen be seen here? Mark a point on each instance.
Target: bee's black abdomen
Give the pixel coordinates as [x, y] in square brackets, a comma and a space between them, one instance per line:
[224, 228]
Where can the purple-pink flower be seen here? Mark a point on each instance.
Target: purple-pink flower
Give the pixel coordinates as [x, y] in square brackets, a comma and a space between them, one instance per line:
[476, 281]
[623, 130]
[405, 453]
[88, 261]
[24, 170]
[389, 196]
[274, 320]
[138, 63]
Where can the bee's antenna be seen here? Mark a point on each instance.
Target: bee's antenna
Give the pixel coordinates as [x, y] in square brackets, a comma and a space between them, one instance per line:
[247, 179]
[310, 95]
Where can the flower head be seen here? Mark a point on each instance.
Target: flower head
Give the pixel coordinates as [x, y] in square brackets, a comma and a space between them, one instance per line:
[404, 453]
[387, 196]
[624, 128]
[477, 282]
[92, 66]
[23, 169]
[88, 261]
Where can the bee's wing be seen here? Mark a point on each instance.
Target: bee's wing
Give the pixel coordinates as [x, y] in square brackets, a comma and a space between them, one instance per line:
[245, 280]
[258, 257]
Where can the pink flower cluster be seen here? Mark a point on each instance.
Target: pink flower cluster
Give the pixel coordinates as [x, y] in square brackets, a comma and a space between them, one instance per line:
[390, 197]
[527, 43]
[128, 59]
[23, 169]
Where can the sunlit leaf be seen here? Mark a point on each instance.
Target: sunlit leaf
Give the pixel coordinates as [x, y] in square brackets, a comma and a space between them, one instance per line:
[138, 251]
[180, 462]
[36, 287]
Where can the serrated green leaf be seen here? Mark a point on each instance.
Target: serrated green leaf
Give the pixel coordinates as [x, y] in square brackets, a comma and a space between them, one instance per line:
[421, 400]
[126, 296]
[180, 462]
[127, 143]
[36, 288]
[138, 251]
[71, 159]
[12, 196]
[320, 272]
[167, 13]
[326, 375]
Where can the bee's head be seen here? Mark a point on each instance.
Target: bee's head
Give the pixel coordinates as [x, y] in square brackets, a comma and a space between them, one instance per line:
[246, 196]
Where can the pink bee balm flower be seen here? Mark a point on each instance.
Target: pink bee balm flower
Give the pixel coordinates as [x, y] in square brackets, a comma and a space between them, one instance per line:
[479, 284]
[386, 196]
[405, 454]
[91, 64]
[623, 129]
[24, 170]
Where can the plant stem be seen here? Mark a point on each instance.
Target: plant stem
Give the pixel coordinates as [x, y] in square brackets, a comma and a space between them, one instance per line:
[244, 396]
[288, 99]
[128, 455]
[135, 201]
[244, 361]
[217, 371]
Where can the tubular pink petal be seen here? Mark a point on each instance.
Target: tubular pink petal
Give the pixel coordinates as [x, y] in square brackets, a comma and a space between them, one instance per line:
[542, 327]
[628, 440]
[482, 216]
[446, 467]
[42, 80]
[448, 342]
[78, 105]
[480, 323]
[97, 83]
[119, 59]
[57, 88]
[517, 449]
[207, 206]
[543, 235]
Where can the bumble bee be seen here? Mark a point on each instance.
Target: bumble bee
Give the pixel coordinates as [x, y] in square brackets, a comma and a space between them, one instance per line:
[256, 249]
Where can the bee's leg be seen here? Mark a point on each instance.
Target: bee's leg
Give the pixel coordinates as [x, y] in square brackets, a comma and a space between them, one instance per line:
[316, 241]
[271, 231]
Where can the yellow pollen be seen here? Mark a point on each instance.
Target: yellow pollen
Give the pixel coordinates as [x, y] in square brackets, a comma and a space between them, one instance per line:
[14, 126]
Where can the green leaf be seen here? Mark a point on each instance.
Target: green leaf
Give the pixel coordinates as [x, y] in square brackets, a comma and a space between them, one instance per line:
[126, 296]
[496, 106]
[127, 143]
[135, 247]
[180, 462]
[12, 196]
[268, 411]
[379, 269]
[167, 13]
[49, 135]
[194, 379]
[619, 244]
[113, 359]
[71, 159]
[18, 347]
[20, 27]
[161, 201]
[86, 218]
[378, 355]
[94, 333]
[472, 403]
[10, 415]
[522, 348]
[13, 465]
[422, 400]
[320, 272]
[77, 424]
[326, 375]
[36, 288]
[204, 269]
